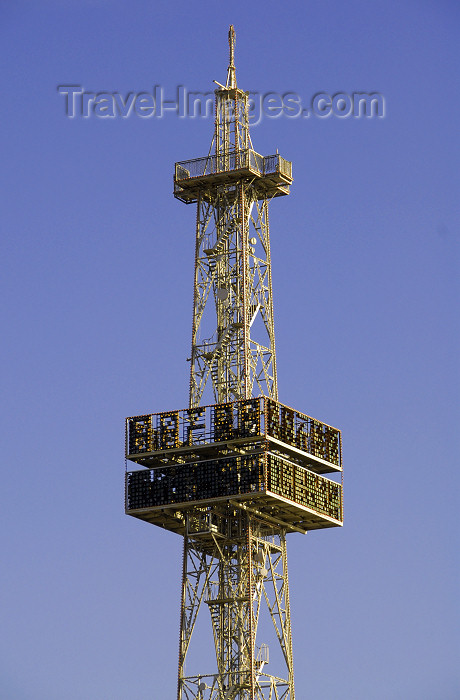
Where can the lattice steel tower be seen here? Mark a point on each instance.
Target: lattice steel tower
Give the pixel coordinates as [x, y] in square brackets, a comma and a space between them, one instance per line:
[234, 477]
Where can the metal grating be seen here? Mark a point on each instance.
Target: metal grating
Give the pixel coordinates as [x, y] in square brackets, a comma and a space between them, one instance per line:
[247, 419]
[233, 477]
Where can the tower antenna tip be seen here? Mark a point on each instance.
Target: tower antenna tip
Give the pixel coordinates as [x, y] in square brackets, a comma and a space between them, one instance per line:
[231, 79]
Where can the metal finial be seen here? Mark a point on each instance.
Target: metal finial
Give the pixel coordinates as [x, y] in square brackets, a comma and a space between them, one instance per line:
[231, 42]
[231, 78]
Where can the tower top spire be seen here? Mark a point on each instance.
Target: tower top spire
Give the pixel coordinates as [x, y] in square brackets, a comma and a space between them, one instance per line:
[231, 77]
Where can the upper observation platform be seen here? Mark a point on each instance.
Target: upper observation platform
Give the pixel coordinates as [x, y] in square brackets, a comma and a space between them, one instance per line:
[271, 175]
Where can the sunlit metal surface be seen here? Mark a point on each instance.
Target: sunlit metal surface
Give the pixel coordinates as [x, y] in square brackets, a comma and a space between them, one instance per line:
[236, 471]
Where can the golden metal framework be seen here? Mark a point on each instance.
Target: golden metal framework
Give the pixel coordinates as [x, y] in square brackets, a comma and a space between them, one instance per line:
[236, 574]
[233, 337]
[234, 477]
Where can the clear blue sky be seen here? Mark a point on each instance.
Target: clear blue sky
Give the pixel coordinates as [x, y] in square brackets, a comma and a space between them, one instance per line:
[96, 300]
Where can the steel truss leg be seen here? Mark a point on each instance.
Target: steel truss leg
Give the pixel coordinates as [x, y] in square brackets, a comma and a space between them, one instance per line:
[236, 565]
[233, 334]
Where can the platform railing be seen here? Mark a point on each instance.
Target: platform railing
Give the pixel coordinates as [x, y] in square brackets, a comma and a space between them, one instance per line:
[237, 160]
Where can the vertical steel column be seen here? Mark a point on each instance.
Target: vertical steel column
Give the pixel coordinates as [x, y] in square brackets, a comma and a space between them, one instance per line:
[245, 291]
